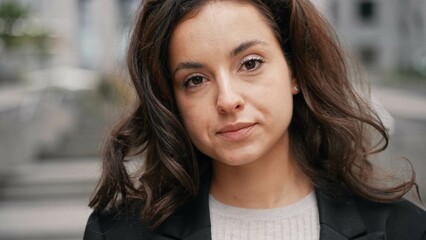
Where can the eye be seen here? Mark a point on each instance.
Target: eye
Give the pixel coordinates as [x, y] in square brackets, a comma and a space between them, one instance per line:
[193, 81]
[251, 63]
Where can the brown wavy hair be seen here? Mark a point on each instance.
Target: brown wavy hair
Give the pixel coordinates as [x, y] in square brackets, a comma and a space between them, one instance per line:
[330, 134]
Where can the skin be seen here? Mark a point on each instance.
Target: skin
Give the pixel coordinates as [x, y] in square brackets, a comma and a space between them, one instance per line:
[234, 91]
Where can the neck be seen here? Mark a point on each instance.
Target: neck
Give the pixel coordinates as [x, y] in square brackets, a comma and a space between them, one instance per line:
[261, 184]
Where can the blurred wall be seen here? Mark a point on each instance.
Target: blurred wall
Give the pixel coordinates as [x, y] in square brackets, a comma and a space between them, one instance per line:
[82, 35]
[85, 33]
[385, 35]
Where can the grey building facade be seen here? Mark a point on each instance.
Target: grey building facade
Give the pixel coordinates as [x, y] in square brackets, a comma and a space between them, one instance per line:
[386, 35]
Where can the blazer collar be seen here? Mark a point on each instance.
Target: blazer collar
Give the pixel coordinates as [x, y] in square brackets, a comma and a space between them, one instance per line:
[339, 219]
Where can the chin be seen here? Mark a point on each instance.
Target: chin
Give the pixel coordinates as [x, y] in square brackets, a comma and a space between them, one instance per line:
[235, 159]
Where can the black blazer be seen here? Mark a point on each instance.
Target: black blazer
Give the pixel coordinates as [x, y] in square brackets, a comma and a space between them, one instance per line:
[349, 218]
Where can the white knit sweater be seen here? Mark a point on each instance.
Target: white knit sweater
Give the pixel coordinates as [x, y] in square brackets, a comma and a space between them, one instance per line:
[298, 221]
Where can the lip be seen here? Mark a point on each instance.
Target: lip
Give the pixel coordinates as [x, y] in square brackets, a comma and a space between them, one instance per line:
[236, 131]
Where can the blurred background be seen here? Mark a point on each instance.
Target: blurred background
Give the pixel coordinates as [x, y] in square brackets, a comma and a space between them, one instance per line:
[63, 83]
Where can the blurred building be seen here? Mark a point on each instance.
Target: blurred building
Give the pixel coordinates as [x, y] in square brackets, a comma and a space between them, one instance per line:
[386, 35]
[86, 39]
[90, 34]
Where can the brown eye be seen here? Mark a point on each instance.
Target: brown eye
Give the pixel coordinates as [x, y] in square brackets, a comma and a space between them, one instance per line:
[251, 64]
[194, 81]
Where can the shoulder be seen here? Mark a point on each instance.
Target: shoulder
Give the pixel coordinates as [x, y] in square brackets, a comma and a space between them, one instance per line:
[117, 224]
[400, 220]
[353, 216]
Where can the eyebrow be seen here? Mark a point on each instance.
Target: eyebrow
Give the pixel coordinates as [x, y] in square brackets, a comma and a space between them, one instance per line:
[239, 49]
[186, 65]
[244, 46]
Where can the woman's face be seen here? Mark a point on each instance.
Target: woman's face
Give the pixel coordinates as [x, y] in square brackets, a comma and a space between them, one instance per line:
[232, 83]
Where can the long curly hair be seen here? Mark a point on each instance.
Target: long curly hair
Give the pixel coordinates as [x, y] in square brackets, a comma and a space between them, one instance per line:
[331, 130]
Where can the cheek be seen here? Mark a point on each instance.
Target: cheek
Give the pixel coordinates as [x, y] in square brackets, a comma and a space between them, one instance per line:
[197, 129]
[275, 92]
[279, 102]
[194, 118]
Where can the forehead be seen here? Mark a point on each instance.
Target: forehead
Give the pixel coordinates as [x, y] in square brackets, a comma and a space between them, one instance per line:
[219, 22]
[214, 9]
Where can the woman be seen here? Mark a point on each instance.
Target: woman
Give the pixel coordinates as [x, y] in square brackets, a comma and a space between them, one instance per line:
[250, 129]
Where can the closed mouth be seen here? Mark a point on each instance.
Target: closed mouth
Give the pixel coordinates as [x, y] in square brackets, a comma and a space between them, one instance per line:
[236, 131]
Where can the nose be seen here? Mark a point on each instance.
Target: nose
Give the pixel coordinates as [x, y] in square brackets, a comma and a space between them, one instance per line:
[229, 98]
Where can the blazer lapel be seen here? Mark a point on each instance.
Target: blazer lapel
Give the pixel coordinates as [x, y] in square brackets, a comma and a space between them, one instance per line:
[340, 220]
[192, 220]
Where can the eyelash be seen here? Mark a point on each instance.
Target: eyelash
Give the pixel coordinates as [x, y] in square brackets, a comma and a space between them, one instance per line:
[256, 59]
[187, 81]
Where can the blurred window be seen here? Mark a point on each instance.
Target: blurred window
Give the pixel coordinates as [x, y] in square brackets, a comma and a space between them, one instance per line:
[367, 11]
[88, 35]
[126, 12]
[334, 11]
[126, 15]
